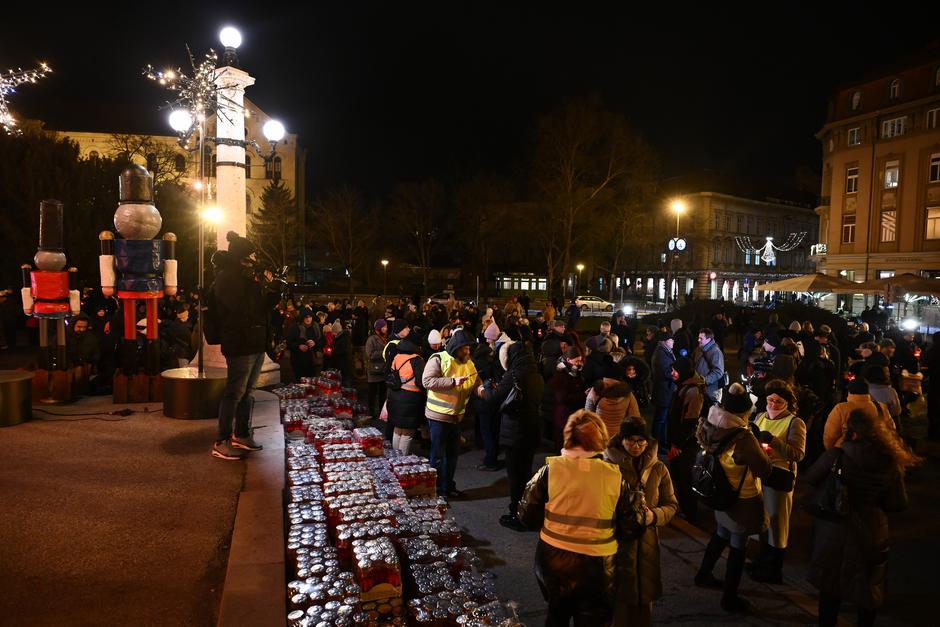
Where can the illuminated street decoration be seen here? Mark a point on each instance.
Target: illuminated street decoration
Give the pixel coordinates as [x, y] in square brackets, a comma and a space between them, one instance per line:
[766, 250]
[8, 84]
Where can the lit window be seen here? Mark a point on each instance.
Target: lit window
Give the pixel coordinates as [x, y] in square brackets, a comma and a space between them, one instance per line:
[892, 174]
[933, 223]
[893, 127]
[747, 258]
[856, 100]
[894, 91]
[934, 168]
[851, 181]
[889, 225]
[932, 117]
[855, 136]
[848, 229]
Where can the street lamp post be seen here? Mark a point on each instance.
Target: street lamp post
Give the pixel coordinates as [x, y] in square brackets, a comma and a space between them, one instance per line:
[577, 285]
[678, 205]
[384, 277]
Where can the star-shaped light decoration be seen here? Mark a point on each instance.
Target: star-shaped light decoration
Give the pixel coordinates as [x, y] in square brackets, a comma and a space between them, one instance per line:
[8, 84]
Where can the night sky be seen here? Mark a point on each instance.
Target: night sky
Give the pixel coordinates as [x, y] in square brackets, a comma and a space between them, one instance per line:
[384, 92]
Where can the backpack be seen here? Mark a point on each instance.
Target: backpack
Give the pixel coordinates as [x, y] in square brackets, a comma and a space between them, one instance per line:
[393, 378]
[709, 481]
[211, 318]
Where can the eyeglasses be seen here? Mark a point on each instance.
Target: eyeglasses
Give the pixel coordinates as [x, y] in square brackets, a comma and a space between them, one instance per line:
[776, 401]
[637, 443]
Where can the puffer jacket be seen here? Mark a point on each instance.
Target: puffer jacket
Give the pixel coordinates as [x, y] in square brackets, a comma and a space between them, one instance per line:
[835, 423]
[747, 514]
[244, 307]
[850, 556]
[519, 426]
[613, 400]
[684, 410]
[406, 408]
[639, 578]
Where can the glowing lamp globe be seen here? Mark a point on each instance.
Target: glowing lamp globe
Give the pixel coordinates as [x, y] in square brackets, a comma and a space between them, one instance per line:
[273, 130]
[230, 37]
[181, 120]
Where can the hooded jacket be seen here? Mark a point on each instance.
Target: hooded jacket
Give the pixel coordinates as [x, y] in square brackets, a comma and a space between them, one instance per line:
[613, 400]
[710, 365]
[519, 425]
[243, 305]
[639, 578]
[439, 379]
[835, 423]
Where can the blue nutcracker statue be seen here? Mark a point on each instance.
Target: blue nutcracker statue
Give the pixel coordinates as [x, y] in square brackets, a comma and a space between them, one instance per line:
[138, 267]
[50, 294]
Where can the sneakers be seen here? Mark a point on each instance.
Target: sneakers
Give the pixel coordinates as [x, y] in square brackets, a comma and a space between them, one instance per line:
[225, 450]
[247, 444]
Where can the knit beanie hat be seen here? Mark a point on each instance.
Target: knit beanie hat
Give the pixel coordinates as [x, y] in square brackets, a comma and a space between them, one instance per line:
[434, 337]
[399, 325]
[337, 327]
[492, 332]
[675, 324]
[684, 367]
[632, 427]
[858, 386]
[238, 246]
[379, 325]
[736, 400]
[306, 312]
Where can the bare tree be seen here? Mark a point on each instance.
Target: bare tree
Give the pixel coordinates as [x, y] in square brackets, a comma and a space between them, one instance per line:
[416, 207]
[160, 157]
[274, 226]
[486, 219]
[349, 230]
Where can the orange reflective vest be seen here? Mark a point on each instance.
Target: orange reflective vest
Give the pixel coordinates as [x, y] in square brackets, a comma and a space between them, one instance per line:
[402, 364]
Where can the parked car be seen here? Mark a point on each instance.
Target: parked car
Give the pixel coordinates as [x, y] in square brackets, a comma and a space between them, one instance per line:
[593, 303]
[441, 298]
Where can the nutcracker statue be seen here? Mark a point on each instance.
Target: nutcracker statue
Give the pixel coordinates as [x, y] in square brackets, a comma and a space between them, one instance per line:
[140, 268]
[50, 294]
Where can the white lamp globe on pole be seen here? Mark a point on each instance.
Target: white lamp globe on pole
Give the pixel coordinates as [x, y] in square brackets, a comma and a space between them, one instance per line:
[181, 120]
[230, 37]
[273, 131]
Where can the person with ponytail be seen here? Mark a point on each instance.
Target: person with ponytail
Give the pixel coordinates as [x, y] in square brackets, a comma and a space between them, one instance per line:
[850, 555]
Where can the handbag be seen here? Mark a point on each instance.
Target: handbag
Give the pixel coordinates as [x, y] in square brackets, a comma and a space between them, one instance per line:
[830, 500]
[636, 495]
[513, 400]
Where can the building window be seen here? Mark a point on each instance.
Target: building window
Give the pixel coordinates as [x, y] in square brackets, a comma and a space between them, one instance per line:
[728, 223]
[740, 224]
[152, 162]
[893, 127]
[855, 136]
[932, 117]
[894, 91]
[272, 169]
[934, 168]
[180, 163]
[93, 154]
[851, 181]
[856, 100]
[892, 174]
[747, 257]
[889, 221]
[247, 167]
[717, 221]
[848, 229]
[933, 223]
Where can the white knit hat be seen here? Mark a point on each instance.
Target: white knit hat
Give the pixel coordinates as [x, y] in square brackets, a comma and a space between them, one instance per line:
[434, 337]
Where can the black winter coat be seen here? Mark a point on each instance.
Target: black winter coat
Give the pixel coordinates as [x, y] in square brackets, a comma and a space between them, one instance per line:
[597, 365]
[519, 427]
[850, 556]
[406, 409]
[661, 376]
[244, 307]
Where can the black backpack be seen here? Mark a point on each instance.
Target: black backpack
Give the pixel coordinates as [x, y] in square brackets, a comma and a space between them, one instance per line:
[393, 378]
[211, 318]
[709, 481]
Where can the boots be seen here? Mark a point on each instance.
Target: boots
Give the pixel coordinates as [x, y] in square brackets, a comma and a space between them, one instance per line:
[768, 567]
[730, 601]
[704, 578]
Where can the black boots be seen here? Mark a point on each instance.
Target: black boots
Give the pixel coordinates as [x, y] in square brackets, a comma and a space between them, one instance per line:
[730, 601]
[704, 578]
[768, 567]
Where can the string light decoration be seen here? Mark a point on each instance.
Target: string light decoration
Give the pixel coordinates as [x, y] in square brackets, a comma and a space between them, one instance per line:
[8, 84]
[199, 94]
[767, 250]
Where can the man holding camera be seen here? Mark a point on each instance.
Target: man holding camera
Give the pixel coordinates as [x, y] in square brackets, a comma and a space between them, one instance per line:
[244, 305]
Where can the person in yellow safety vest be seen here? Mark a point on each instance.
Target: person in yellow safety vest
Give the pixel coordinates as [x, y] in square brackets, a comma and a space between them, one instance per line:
[580, 503]
[406, 398]
[450, 378]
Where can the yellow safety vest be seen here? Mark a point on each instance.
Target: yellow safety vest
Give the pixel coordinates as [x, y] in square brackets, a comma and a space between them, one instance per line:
[385, 349]
[452, 402]
[780, 428]
[581, 510]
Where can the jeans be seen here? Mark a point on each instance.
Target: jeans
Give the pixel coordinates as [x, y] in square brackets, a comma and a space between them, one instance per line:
[660, 417]
[445, 447]
[518, 471]
[238, 397]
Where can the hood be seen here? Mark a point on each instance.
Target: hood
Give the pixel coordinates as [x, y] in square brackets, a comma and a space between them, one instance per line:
[516, 357]
[459, 339]
[616, 453]
[222, 259]
[724, 419]
[711, 431]
[612, 388]
[407, 346]
[503, 353]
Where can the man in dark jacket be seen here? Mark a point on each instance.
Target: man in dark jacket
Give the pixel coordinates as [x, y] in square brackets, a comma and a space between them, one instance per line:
[552, 348]
[710, 363]
[624, 331]
[243, 304]
[83, 344]
[519, 419]
[663, 385]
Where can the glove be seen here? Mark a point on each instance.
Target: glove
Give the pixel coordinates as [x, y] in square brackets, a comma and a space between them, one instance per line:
[765, 437]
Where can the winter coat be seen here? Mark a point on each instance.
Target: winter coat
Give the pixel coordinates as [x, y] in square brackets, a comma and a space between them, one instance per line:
[661, 374]
[568, 391]
[684, 411]
[613, 401]
[551, 352]
[640, 384]
[85, 348]
[304, 361]
[373, 350]
[820, 375]
[519, 425]
[886, 395]
[850, 556]
[596, 365]
[406, 408]
[639, 578]
[747, 515]
[710, 365]
[435, 379]
[360, 330]
[835, 423]
[244, 307]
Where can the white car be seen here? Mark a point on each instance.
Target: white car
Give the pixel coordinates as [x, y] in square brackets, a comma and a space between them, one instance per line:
[593, 303]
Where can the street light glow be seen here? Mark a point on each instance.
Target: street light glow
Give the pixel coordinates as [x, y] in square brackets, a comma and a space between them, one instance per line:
[678, 205]
[385, 262]
[230, 37]
[212, 215]
[273, 130]
[580, 267]
[910, 324]
[181, 120]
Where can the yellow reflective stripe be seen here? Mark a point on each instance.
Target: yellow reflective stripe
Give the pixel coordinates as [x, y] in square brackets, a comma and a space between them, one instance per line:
[578, 521]
[563, 538]
[433, 400]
